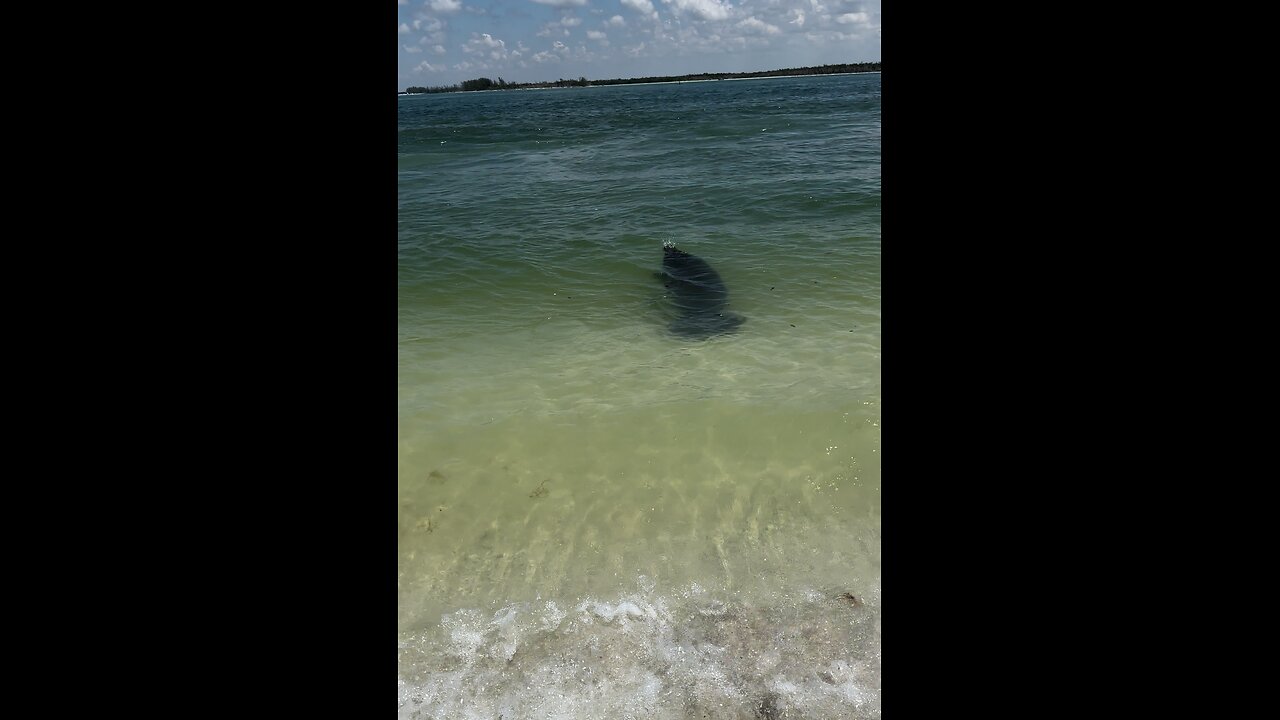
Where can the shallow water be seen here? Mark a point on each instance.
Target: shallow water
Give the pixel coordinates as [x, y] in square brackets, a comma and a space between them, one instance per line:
[599, 518]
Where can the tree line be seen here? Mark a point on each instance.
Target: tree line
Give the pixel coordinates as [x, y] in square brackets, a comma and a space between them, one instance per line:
[500, 84]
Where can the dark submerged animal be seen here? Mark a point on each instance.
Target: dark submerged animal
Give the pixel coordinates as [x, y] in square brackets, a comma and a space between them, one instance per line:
[698, 294]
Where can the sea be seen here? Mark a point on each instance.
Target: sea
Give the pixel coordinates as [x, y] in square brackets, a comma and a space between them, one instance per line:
[599, 517]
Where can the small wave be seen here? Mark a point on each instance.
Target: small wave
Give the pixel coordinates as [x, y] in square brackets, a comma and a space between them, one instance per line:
[693, 653]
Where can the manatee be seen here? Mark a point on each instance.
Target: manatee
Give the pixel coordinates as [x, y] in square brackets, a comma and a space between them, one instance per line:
[698, 295]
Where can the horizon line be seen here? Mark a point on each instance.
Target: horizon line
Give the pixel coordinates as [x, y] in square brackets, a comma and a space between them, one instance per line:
[649, 79]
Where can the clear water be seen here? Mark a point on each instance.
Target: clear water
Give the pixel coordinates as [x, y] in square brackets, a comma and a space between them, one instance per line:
[597, 517]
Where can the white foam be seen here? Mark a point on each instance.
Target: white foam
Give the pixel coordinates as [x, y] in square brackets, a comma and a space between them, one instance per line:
[609, 612]
[688, 653]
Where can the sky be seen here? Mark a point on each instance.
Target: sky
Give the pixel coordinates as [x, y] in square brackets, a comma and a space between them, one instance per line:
[443, 42]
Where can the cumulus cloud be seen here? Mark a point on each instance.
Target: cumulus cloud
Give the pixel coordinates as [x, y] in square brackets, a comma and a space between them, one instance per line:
[486, 44]
[425, 66]
[560, 26]
[686, 27]
[640, 6]
[754, 25]
[701, 9]
[486, 40]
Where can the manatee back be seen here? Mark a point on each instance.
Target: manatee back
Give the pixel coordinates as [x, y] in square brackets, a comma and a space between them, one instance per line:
[698, 294]
[693, 270]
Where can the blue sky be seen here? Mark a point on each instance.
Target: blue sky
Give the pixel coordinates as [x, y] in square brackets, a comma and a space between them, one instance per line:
[443, 42]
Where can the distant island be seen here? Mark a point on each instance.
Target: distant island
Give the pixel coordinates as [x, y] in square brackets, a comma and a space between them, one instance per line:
[485, 83]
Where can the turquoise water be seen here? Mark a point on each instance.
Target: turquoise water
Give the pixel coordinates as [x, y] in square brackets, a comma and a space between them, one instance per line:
[597, 517]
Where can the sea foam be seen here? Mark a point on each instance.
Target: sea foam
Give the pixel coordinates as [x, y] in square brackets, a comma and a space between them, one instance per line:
[811, 653]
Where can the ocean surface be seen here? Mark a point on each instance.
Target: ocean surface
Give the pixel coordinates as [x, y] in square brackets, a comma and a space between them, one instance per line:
[599, 517]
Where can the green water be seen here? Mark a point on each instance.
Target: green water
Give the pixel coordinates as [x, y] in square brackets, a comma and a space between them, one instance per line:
[571, 475]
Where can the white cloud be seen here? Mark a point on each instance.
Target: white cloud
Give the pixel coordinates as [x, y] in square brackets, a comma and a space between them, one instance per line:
[640, 6]
[754, 25]
[404, 29]
[428, 67]
[486, 44]
[701, 9]
[668, 27]
[561, 26]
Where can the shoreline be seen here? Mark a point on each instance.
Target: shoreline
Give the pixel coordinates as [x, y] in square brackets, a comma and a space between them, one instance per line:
[658, 82]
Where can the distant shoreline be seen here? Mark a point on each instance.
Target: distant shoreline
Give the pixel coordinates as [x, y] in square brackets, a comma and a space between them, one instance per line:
[753, 77]
[686, 82]
[486, 84]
